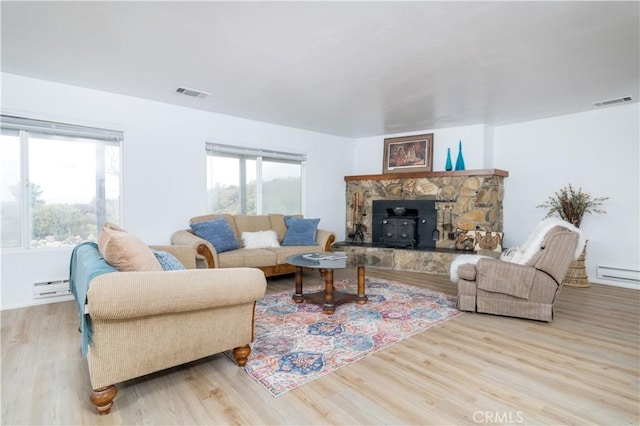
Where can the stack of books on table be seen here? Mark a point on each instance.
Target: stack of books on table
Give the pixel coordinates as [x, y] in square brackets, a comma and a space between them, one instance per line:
[325, 256]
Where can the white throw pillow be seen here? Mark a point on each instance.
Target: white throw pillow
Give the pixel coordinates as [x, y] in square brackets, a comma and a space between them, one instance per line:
[260, 239]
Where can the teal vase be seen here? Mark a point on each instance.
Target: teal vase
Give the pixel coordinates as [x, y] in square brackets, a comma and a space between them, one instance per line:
[460, 160]
[449, 166]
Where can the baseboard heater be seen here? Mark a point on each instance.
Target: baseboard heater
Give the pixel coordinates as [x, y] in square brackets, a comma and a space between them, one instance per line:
[51, 289]
[619, 274]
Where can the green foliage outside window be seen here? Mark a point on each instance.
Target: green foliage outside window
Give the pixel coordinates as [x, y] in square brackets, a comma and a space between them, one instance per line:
[279, 196]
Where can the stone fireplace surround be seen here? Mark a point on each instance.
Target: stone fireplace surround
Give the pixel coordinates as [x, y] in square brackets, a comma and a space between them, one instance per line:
[467, 199]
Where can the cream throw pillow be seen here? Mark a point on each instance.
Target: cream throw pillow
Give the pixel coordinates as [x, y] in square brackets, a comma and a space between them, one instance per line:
[260, 239]
[125, 251]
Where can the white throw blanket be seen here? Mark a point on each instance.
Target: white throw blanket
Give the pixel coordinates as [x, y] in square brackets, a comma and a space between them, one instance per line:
[463, 259]
[523, 254]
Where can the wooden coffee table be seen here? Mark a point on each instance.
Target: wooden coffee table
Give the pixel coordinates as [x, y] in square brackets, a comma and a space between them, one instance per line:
[329, 298]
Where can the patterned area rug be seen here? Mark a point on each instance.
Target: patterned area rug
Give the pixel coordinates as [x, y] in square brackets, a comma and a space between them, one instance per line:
[296, 343]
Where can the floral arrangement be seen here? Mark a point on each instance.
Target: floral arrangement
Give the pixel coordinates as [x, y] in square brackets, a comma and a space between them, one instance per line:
[572, 205]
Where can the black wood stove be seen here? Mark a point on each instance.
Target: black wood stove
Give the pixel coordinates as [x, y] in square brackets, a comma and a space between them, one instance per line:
[404, 223]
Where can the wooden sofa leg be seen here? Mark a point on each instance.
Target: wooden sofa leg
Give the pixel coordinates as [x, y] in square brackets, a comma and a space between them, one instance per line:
[241, 354]
[102, 398]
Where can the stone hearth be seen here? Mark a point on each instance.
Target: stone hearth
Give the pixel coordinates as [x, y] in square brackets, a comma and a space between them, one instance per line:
[468, 200]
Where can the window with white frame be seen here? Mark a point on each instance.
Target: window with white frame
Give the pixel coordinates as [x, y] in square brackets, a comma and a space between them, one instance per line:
[253, 181]
[59, 182]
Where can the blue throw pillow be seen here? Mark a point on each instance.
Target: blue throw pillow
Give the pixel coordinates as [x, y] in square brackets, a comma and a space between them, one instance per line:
[168, 261]
[218, 232]
[300, 232]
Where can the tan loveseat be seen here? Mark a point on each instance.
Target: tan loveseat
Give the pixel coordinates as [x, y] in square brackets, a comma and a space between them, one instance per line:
[147, 321]
[270, 260]
[526, 290]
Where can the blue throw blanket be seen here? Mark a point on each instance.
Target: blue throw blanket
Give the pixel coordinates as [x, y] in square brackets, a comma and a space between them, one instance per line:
[86, 264]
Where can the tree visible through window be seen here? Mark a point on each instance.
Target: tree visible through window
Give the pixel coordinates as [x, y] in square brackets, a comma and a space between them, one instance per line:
[241, 180]
[60, 183]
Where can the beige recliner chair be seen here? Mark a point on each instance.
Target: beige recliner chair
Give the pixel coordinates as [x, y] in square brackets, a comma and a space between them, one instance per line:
[527, 284]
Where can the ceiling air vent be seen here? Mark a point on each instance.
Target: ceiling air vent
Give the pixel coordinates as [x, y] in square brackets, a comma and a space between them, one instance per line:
[613, 101]
[192, 92]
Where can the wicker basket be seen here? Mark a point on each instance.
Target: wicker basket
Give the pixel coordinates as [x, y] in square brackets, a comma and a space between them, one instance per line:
[577, 273]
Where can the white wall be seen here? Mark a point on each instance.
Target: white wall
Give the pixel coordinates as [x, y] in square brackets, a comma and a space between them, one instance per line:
[163, 166]
[596, 150]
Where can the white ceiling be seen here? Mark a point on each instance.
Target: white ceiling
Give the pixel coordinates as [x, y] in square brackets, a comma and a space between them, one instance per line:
[354, 69]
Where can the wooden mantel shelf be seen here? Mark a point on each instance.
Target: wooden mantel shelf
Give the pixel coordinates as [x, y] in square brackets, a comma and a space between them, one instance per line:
[418, 175]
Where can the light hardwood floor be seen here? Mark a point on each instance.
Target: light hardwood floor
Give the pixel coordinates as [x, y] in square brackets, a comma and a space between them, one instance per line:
[474, 369]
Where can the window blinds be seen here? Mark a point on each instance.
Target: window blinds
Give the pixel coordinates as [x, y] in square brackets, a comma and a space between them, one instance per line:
[215, 148]
[59, 129]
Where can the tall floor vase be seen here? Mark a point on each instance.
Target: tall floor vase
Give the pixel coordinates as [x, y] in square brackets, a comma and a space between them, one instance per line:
[577, 273]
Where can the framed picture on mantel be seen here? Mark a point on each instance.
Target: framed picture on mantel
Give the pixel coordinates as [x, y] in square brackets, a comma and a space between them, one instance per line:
[408, 154]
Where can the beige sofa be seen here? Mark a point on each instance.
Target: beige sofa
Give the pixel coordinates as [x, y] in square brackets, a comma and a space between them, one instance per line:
[147, 321]
[270, 260]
